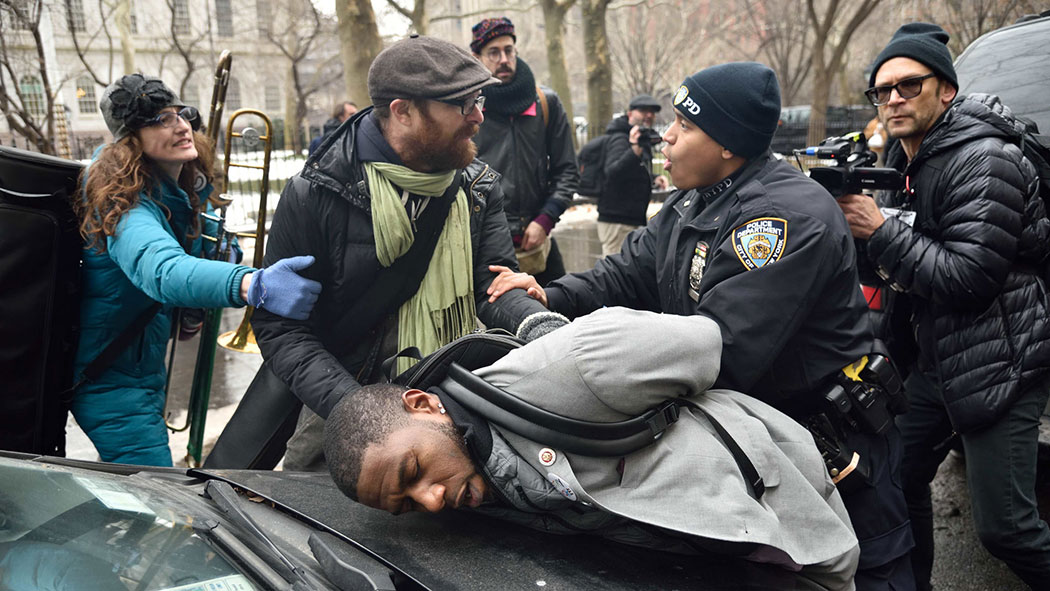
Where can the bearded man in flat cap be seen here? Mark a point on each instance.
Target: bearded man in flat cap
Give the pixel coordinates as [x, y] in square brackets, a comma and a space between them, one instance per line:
[364, 205]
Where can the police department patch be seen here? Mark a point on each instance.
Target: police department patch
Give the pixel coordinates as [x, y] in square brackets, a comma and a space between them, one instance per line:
[760, 241]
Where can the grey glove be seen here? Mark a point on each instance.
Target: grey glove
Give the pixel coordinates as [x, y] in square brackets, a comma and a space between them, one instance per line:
[536, 325]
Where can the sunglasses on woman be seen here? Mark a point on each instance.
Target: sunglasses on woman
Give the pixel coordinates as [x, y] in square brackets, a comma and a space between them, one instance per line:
[906, 89]
[168, 118]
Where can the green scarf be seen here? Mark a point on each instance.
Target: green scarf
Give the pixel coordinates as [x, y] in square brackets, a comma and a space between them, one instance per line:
[443, 307]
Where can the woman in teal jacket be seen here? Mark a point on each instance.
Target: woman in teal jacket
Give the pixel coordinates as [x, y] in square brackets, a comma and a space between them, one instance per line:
[141, 220]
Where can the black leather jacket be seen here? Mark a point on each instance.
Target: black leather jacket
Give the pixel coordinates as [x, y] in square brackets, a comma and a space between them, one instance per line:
[971, 263]
[325, 211]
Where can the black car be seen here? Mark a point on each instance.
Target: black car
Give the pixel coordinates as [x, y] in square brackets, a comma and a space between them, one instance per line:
[1014, 63]
[68, 524]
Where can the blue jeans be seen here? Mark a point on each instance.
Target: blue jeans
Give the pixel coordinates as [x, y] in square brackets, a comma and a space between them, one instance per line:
[1000, 473]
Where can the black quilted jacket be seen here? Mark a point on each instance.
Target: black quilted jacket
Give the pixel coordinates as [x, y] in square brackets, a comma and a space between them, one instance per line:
[971, 263]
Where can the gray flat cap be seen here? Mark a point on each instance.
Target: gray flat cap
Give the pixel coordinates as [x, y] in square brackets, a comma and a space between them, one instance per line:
[425, 67]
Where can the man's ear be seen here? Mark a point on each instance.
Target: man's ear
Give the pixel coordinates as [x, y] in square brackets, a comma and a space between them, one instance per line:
[418, 401]
[726, 154]
[402, 110]
[948, 93]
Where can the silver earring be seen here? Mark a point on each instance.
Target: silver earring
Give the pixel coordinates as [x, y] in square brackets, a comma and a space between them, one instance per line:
[441, 408]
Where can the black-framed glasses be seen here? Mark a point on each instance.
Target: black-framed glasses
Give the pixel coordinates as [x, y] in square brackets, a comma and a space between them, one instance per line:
[168, 118]
[466, 105]
[906, 89]
[493, 54]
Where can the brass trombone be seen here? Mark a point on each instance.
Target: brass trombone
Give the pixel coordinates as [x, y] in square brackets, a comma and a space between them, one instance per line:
[243, 339]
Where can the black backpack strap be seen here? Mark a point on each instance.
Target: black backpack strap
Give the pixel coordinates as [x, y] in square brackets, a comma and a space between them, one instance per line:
[397, 283]
[747, 468]
[586, 438]
[108, 355]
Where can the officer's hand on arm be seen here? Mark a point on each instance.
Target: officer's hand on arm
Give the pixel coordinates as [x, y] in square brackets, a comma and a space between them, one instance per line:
[862, 214]
[279, 289]
[508, 280]
[533, 236]
[633, 137]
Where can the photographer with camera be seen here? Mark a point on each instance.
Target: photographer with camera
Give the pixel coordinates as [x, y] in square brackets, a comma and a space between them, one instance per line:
[752, 243]
[962, 247]
[628, 172]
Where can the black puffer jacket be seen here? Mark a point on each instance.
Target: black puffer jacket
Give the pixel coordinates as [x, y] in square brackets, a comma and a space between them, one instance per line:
[628, 184]
[971, 263]
[325, 211]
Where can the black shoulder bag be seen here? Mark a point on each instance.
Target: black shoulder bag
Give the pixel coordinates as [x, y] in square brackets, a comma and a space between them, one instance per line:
[258, 431]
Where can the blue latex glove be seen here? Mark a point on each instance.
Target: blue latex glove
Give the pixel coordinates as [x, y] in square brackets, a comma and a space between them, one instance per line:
[279, 289]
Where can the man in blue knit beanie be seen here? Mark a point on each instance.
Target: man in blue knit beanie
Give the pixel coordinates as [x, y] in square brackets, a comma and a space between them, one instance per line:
[752, 243]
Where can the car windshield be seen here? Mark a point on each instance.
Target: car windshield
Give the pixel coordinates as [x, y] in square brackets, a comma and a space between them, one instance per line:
[63, 529]
[1013, 63]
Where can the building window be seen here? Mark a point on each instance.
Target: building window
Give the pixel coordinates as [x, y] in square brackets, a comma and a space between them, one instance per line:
[33, 96]
[87, 104]
[262, 15]
[75, 13]
[273, 98]
[133, 23]
[224, 18]
[233, 96]
[25, 9]
[181, 17]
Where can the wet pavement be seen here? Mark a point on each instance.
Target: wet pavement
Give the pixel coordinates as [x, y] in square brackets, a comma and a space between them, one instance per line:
[961, 564]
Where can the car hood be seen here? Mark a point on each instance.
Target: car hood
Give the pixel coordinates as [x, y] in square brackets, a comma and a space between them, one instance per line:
[465, 551]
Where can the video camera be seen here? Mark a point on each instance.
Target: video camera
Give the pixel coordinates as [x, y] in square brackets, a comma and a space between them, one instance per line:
[852, 172]
[647, 136]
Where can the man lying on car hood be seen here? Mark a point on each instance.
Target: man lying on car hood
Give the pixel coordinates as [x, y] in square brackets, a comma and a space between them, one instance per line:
[401, 450]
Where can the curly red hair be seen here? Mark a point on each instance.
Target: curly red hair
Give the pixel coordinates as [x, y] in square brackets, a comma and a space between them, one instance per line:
[118, 176]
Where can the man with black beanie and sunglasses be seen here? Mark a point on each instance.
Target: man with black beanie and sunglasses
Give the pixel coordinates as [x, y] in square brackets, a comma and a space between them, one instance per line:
[527, 138]
[962, 246]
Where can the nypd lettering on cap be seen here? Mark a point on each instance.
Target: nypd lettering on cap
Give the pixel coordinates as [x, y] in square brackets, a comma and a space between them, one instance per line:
[685, 102]
[760, 242]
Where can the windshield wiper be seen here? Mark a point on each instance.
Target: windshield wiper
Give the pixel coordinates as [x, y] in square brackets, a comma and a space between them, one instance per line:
[277, 563]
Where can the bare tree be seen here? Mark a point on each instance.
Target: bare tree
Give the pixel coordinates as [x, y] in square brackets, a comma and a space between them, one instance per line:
[598, 64]
[185, 42]
[418, 14]
[967, 20]
[554, 12]
[295, 30]
[28, 110]
[782, 34]
[359, 43]
[832, 30]
[649, 41]
[82, 44]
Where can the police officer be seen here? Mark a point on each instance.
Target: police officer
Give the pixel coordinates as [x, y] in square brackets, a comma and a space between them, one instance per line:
[754, 244]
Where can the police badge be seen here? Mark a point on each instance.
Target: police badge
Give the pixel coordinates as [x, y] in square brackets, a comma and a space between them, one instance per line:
[696, 269]
[760, 241]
